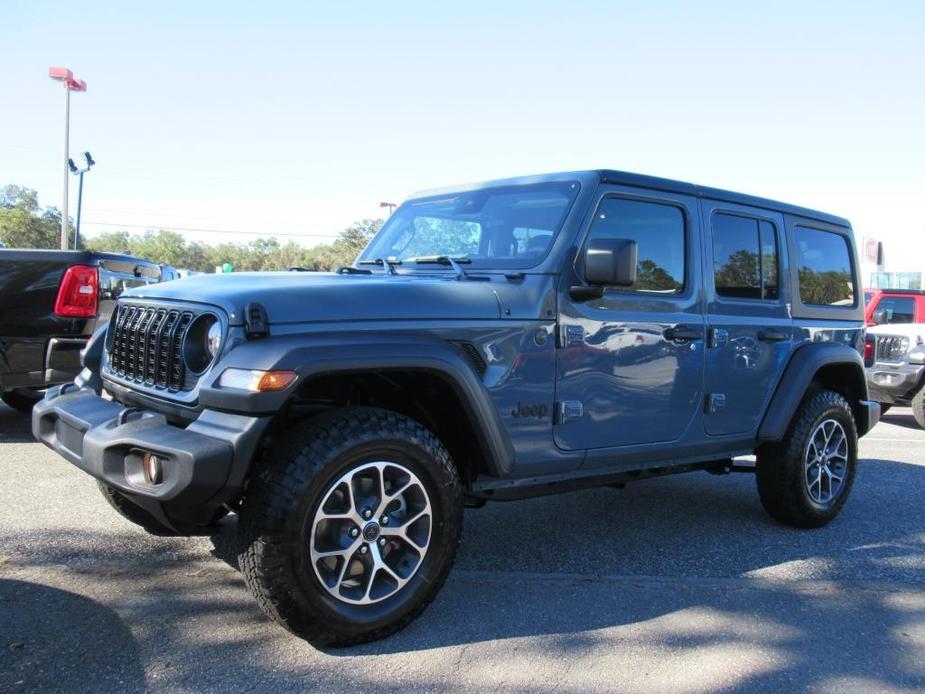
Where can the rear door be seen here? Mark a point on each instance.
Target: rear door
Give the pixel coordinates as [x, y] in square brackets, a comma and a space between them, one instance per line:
[749, 328]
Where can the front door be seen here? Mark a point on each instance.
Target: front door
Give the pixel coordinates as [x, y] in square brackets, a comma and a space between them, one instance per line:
[749, 329]
[630, 363]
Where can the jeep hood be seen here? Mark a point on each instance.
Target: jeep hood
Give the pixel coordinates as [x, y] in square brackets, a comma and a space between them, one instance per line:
[300, 297]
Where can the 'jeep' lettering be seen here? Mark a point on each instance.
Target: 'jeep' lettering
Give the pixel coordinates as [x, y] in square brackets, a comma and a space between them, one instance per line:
[523, 410]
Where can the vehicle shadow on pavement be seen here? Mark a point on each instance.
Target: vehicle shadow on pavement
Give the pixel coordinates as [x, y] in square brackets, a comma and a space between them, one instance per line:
[101, 654]
[15, 427]
[553, 592]
[903, 419]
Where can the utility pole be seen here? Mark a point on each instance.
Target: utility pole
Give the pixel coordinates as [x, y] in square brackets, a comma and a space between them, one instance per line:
[390, 205]
[66, 77]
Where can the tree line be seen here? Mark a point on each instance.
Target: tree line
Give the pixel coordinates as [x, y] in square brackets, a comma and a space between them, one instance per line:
[24, 224]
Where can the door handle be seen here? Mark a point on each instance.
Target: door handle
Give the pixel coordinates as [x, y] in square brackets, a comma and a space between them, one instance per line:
[679, 333]
[773, 335]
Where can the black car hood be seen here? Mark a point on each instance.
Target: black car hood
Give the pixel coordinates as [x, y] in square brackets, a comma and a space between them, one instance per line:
[298, 297]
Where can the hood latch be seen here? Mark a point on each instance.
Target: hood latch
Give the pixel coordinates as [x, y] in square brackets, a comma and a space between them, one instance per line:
[256, 323]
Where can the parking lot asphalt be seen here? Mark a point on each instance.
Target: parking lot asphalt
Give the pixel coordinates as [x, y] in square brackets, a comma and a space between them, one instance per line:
[681, 584]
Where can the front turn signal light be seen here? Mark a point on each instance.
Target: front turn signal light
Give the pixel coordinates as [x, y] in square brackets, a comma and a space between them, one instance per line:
[256, 381]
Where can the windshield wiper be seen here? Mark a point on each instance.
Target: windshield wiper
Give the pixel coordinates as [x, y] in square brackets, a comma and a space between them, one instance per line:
[387, 264]
[453, 262]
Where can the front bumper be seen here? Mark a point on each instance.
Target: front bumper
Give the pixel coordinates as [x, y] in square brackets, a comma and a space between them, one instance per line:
[204, 464]
[893, 383]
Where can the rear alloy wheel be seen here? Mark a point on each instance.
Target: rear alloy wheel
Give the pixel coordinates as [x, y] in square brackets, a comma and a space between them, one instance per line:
[350, 526]
[804, 480]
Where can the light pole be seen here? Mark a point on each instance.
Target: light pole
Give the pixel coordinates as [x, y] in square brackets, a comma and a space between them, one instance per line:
[66, 77]
[390, 205]
[80, 171]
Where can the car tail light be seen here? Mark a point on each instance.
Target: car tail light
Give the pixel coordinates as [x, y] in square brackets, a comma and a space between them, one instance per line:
[869, 351]
[78, 293]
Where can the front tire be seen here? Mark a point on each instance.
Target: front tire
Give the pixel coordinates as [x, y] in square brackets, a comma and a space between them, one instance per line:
[350, 527]
[804, 480]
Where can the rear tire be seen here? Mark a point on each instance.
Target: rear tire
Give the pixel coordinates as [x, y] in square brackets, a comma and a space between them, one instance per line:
[309, 551]
[918, 407]
[22, 399]
[804, 480]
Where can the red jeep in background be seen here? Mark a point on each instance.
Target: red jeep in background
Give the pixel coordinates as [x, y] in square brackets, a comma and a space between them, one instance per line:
[885, 306]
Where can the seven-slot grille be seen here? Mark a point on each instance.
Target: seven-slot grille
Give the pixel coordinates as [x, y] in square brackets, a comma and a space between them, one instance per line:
[147, 345]
[890, 348]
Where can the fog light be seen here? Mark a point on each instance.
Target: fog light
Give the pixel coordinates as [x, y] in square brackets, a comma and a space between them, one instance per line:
[152, 467]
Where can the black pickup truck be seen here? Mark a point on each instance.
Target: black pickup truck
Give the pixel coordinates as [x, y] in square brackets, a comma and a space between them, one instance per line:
[50, 304]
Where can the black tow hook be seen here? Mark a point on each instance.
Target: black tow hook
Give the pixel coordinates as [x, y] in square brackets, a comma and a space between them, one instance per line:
[124, 415]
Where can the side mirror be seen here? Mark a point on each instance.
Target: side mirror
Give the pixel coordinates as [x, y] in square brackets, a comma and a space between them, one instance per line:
[880, 316]
[611, 262]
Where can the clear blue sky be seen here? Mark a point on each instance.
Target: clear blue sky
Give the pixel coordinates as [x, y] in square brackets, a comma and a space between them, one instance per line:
[298, 118]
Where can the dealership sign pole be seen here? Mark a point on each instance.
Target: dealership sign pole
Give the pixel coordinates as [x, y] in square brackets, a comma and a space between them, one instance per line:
[65, 76]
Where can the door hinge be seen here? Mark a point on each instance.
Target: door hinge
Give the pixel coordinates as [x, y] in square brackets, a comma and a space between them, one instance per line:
[571, 335]
[568, 411]
[715, 402]
[718, 337]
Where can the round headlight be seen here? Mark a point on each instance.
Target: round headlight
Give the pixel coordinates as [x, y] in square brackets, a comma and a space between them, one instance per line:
[214, 339]
[201, 342]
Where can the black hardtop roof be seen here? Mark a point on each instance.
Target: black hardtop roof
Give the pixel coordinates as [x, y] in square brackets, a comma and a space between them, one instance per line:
[654, 182]
[642, 181]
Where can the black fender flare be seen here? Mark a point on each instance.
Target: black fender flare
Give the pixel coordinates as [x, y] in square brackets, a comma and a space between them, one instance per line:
[365, 352]
[805, 363]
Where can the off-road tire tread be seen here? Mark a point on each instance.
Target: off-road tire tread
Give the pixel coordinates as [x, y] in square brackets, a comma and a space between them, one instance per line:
[134, 513]
[779, 469]
[918, 407]
[285, 470]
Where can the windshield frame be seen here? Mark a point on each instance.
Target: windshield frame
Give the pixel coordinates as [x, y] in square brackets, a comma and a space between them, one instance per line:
[571, 186]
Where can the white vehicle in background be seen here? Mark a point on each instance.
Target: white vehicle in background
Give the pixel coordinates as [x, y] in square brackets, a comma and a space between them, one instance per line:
[894, 355]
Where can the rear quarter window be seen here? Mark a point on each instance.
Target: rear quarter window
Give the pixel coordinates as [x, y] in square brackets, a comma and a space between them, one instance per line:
[824, 268]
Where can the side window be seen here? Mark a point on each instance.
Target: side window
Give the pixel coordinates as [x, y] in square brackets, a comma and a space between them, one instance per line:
[658, 231]
[899, 309]
[744, 257]
[824, 268]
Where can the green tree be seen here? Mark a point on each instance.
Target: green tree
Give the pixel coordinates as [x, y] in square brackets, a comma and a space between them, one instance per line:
[654, 277]
[24, 224]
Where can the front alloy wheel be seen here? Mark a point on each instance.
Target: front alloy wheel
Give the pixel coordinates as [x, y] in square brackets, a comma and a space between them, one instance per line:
[350, 526]
[371, 532]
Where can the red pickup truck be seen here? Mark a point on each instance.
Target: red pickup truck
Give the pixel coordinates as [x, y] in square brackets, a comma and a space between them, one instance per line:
[886, 306]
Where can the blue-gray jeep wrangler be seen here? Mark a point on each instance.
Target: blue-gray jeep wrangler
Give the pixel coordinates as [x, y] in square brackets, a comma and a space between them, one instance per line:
[493, 341]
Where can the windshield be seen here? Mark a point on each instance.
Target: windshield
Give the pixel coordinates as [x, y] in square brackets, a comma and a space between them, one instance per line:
[503, 227]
